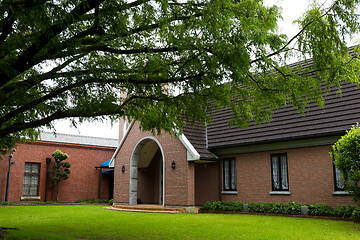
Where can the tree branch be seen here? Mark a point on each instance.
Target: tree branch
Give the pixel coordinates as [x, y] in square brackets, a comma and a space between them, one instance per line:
[296, 36]
[26, 84]
[26, 59]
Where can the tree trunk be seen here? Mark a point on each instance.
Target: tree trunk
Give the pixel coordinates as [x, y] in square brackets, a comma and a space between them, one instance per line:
[57, 191]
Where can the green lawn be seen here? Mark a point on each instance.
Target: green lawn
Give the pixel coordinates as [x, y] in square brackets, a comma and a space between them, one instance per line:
[94, 222]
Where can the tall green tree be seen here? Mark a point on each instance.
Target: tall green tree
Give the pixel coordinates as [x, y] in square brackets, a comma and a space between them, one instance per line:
[60, 169]
[73, 58]
[346, 156]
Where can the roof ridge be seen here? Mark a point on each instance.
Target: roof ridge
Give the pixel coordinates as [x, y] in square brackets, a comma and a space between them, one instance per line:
[75, 135]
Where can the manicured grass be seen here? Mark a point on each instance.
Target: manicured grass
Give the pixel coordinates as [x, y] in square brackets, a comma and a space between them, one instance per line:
[94, 222]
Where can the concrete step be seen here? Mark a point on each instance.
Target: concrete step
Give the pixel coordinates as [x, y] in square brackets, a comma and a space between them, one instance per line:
[146, 208]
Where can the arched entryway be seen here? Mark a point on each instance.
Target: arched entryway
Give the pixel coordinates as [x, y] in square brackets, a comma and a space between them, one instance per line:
[147, 173]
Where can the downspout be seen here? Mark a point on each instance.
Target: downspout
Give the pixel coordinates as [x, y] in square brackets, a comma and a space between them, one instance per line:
[100, 183]
[100, 173]
[220, 182]
[48, 160]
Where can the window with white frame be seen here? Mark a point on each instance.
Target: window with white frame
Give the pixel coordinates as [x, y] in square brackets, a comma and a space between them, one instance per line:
[279, 172]
[229, 175]
[31, 179]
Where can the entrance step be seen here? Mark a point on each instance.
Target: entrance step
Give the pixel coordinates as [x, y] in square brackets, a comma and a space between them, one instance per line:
[146, 208]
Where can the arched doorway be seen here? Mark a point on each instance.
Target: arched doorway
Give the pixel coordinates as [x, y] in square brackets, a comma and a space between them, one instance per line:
[147, 173]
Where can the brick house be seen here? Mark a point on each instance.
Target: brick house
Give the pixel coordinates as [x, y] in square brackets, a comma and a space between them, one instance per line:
[285, 160]
[29, 180]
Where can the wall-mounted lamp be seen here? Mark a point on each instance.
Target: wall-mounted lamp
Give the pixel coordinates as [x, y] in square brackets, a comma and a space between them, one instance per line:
[123, 168]
[173, 164]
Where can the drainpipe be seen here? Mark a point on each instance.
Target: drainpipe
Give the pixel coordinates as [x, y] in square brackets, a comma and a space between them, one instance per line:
[100, 183]
[220, 180]
[48, 160]
[100, 174]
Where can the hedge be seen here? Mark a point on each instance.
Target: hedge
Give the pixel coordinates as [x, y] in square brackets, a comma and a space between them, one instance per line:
[290, 208]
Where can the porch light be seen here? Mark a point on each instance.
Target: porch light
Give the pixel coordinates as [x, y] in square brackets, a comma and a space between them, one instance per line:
[123, 168]
[173, 164]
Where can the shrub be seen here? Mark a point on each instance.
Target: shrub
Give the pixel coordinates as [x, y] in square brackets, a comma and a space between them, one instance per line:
[343, 211]
[292, 208]
[321, 209]
[356, 213]
[263, 207]
[223, 206]
[93, 201]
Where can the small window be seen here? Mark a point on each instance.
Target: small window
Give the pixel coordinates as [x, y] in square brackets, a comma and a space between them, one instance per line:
[339, 182]
[31, 179]
[279, 172]
[229, 174]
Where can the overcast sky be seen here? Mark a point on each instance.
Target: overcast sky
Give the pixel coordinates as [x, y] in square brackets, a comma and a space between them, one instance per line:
[292, 9]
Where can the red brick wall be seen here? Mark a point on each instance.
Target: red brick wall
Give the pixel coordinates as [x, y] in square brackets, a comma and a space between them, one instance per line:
[84, 178]
[207, 186]
[179, 183]
[310, 173]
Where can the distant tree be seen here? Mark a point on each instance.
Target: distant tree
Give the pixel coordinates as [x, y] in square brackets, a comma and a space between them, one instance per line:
[71, 59]
[60, 169]
[346, 156]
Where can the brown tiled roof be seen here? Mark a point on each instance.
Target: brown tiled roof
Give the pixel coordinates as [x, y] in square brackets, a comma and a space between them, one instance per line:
[196, 134]
[339, 114]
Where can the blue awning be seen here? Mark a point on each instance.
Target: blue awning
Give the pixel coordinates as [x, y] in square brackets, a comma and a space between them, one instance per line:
[105, 164]
[111, 171]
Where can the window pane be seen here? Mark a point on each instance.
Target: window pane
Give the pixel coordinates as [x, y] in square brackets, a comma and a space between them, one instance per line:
[284, 175]
[233, 174]
[35, 180]
[275, 172]
[340, 185]
[35, 168]
[26, 190]
[27, 179]
[27, 167]
[33, 190]
[226, 174]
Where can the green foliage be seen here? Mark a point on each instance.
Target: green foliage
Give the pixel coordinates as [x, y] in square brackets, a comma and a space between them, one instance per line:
[346, 156]
[71, 59]
[223, 206]
[356, 213]
[93, 201]
[59, 156]
[321, 209]
[29, 203]
[292, 208]
[60, 169]
[343, 211]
